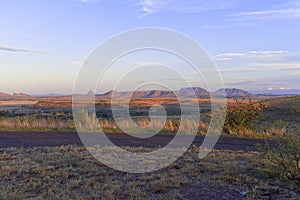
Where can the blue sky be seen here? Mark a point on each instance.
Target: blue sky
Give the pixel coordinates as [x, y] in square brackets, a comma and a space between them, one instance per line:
[255, 44]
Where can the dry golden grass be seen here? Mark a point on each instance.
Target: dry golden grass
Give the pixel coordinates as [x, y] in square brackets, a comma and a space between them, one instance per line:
[16, 102]
[285, 110]
[70, 172]
[65, 102]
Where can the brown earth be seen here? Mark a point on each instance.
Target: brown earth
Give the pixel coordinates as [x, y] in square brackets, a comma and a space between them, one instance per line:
[34, 139]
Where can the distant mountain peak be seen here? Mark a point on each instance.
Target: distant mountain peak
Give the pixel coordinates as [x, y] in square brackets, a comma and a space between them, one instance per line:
[21, 95]
[90, 93]
[191, 91]
[233, 92]
[185, 92]
[4, 94]
[14, 95]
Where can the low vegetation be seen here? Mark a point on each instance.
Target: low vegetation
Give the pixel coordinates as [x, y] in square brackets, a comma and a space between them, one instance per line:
[86, 121]
[285, 157]
[70, 172]
[246, 118]
[35, 122]
[241, 116]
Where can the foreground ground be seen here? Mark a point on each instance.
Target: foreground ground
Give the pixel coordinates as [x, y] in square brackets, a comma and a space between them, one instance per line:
[70, 172]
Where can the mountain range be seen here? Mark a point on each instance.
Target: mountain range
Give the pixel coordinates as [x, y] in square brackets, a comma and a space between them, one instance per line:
[183, 92]
[14, 96]
[233, 92]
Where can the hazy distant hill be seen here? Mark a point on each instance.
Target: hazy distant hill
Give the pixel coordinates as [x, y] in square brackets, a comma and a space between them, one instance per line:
[138, 94]
[191, 91]
[113, 93]
[4, 95]
[153, 94]
[21, 95]
[50, 95]
[15, 95]
[183, 92]
[276, 92]
[233, 92]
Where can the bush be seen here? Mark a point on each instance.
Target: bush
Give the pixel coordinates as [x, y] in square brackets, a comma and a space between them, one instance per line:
[285, 157]
[241, 116]
[3, 114]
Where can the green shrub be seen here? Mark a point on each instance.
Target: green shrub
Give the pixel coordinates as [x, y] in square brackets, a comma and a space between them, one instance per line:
[285, 157]
[241, 116]
[3, 114]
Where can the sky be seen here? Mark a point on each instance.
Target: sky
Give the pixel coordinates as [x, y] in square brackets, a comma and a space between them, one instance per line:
[254, 44]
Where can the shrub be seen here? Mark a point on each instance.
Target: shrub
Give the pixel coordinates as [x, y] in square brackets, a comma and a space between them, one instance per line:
[285, 157]
[276, 128]
[3, 114]
[241, 116]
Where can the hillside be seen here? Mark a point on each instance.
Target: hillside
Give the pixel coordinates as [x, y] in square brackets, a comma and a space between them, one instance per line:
[285, 109]
[14, 96]
[233, 92]
[186, 92]
[4, 95]
[183, 92]
[191, 91]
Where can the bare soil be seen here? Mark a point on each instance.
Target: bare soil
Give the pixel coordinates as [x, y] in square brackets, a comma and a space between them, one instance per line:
[35, 139]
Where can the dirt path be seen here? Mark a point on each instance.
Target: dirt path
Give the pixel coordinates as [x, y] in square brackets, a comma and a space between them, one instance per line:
[34, 139]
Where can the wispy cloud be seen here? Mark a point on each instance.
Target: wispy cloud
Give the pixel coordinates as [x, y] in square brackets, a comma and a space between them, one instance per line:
[13, 49]
[268, 55]
[289, 13]
[188, 6]
[263, 67]
[285, 10]
[230, 15]
[258, 62]
[256, 85]
[279, 10]
[241, 82]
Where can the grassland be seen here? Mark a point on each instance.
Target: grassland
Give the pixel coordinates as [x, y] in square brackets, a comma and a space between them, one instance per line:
[70, 172]
[279, 116]
[16, 102]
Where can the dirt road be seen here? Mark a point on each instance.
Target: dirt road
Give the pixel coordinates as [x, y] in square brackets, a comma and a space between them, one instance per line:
[34, 139]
